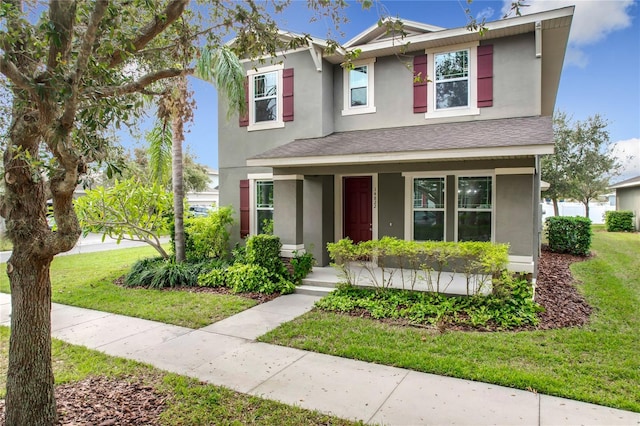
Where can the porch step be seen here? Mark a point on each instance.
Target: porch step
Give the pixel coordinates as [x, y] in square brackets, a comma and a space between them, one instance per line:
[319, 282]
[313, 290]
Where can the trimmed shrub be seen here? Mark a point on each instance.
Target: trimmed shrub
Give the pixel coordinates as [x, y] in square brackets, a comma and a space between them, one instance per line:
[569, 234]
[264, 250]
[619, 221]
[213, 278]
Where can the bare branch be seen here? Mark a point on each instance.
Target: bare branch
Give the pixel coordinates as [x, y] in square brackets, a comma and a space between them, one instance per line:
[62, 14]
[138, 85]
[12, 72]
[172, 12]
[82, 61]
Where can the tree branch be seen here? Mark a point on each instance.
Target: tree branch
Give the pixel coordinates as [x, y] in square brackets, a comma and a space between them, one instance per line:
[81, 63]
[14, 75]
[172, 12]
[138, 85]
[62, 14]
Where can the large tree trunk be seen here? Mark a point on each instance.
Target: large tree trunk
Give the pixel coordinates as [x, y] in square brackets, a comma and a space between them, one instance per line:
[30, 396]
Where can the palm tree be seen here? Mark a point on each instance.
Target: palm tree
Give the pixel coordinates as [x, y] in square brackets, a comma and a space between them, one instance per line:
[220, 67]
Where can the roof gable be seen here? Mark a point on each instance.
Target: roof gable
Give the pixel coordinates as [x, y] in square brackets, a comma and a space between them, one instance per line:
[379, 32]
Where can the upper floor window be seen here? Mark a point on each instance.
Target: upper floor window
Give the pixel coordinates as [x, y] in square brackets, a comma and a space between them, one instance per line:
[358, 88]
[452, 79]
[265, 97]
[265, 87]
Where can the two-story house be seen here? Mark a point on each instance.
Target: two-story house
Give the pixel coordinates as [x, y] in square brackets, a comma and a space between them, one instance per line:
[329, 152]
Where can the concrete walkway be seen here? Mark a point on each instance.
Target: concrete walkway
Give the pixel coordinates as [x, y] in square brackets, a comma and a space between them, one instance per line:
[226, 354]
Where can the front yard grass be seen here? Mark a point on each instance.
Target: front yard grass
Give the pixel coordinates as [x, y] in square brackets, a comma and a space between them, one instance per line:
[188, 402]
[598, 363]
[86, 281]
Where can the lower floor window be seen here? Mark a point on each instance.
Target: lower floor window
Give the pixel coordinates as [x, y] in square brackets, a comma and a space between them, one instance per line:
[264, 206]
[428, 209]
[474, 208]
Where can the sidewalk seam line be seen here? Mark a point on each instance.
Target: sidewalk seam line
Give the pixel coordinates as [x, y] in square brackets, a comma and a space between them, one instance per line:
[388, 396]
[304, 354]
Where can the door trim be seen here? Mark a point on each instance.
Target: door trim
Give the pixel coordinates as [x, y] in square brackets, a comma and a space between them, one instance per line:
[339, 207]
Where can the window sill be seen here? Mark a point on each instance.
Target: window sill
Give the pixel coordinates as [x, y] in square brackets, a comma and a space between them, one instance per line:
[458, 112]
[358, 111]
[265, 126]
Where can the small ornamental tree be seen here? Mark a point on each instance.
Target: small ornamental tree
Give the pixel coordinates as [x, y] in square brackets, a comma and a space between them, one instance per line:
[129, 210]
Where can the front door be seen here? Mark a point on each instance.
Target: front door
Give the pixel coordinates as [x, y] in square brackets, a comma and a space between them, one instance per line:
[357, 215]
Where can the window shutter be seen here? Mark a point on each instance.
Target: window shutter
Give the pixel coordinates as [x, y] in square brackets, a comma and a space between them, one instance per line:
[420, 87]
[287, 94]
[244, 208]
[485, 76]
[244, 119]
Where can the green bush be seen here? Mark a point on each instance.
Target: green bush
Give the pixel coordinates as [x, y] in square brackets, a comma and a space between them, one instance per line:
[619, 221]
[302, 264]
[264, 250]
[208, 237]
[513, 307]
[569, 234]
[160, 273]
[213, 278]
[242, 278]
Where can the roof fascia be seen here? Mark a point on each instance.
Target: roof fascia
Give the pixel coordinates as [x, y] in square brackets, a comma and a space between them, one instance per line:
[375, 28]
[464, 32]
[404, 157]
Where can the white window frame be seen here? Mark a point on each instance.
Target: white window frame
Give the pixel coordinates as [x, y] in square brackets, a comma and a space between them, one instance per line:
[408, 190]
[472, 106]
[477, 174]
[264, 125]
[428, 209]
[254, 178]
[370, 107]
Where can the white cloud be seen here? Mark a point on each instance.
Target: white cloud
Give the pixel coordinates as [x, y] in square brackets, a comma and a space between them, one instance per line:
[486, 13]
[628, 153]
[592, 21]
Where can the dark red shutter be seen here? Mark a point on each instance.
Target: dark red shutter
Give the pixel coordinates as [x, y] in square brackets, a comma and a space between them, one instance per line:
[244, 208]
[287, 94]
[244, 119]
[485, 76]
[420, 83]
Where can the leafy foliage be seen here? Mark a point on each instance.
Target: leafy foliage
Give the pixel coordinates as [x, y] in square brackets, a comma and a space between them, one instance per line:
[425, 259]
[569, 234]
[208, 237]
[255, 278]
[129, 210]
[512, 306]
[302, 264]
[162, 273]
[264, 250]
[619, 221]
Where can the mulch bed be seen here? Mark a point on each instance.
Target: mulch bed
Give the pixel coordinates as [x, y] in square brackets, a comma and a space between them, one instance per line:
[104, 402]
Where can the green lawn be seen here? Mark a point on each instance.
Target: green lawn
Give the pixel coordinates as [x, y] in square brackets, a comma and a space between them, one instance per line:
[86, 280]
[598, 363]
[188, 402]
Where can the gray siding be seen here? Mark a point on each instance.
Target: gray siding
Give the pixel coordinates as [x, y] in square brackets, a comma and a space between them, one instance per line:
[515, 211]
[391, 205]
[629, 199]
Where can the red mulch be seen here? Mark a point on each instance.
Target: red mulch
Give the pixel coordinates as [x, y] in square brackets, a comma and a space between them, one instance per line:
[102, 401]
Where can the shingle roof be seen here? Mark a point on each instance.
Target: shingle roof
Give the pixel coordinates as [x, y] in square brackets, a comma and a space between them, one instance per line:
[509, 132]
[627, 183]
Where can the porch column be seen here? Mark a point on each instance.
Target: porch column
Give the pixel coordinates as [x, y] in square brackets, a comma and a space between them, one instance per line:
[318, 211]
[287, 212]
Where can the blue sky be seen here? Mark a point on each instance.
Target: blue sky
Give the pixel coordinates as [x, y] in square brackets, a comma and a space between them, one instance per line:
[601, 72]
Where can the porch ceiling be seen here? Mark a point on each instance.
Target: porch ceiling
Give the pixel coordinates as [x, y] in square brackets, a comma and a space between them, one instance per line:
[483, 139]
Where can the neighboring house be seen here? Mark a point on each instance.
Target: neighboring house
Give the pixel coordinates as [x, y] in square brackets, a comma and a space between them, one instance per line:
[209, 197]
[367, 152]
[628, 198]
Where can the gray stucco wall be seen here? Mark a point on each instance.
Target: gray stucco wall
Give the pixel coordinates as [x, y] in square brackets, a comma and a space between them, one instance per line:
[515, 211]
[629, 199]
[318, 216]
[391, 205]
[516, 89]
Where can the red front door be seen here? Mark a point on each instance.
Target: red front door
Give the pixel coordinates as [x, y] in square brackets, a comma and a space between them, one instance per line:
[357, 217]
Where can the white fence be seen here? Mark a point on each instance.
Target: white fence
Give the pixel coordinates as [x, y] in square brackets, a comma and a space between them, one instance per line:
[596, 210]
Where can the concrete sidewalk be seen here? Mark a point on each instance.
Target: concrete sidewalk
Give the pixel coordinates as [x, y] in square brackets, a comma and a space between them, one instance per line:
[226, 354]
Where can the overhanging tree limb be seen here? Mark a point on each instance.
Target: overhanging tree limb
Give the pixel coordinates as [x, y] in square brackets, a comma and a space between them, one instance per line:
[138, 85]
